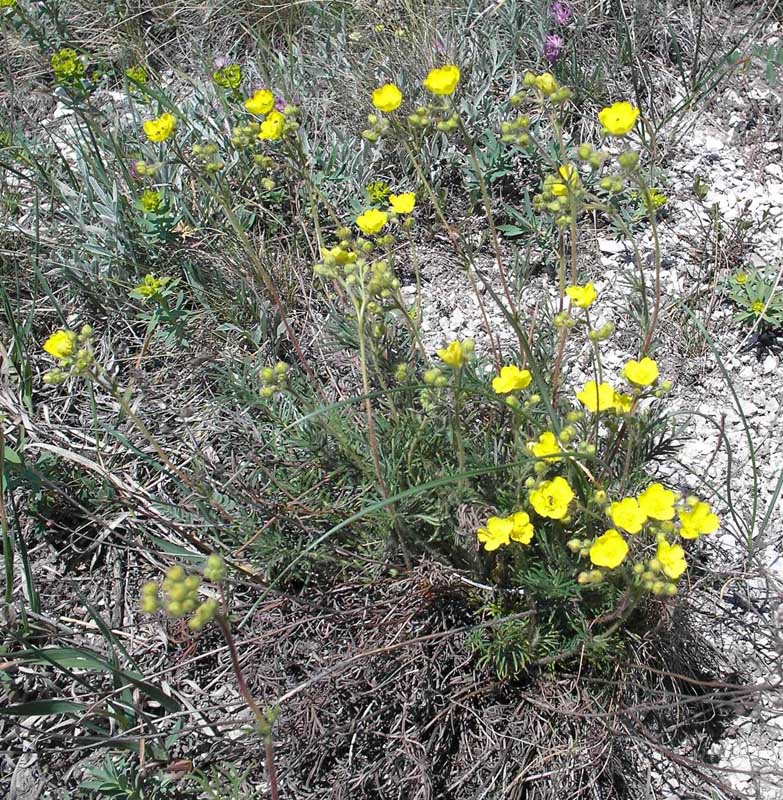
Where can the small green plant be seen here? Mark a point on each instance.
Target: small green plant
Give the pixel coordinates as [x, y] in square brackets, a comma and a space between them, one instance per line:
[758, 295]
[119, 778]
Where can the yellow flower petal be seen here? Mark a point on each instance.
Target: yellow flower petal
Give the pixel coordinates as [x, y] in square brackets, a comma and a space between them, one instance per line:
[372, 221]
[387, 97]
[511, 379]
[641, 373]
[61, 344]
[597, 397]
[262, 102]
[402, 203]
[552, 498]
[609, 550]
[442, 80]
[618, 119]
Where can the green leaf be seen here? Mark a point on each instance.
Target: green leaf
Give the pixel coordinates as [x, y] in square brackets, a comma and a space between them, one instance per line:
[10, 455]
[43, 708]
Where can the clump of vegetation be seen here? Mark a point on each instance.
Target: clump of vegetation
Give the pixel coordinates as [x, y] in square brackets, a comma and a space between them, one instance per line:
[504, 484]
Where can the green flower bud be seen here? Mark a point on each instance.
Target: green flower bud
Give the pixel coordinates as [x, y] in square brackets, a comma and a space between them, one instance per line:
[628, 160]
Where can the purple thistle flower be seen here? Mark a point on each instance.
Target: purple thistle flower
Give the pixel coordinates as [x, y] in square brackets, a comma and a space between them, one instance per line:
[561, 12]
[553, 46]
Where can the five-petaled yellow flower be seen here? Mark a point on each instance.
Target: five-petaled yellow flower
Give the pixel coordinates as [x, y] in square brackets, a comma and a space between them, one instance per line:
[372, 221]
[160, 128]
[609, 550]
[272, 126]
[671, 558]
[697, 520]
[496, 533]
[628, 514]
[582, 296]
[60, 344]
[442, 80]
[618, 119]
[402, 203]
[262, 102]
[387, 97]
[657, 502]
[597, 397]
[453, 355]
[546, 446]
[511, 379]
[641, 373]
[522, 528]
[552, 498]
[570, 180]
[500, 531]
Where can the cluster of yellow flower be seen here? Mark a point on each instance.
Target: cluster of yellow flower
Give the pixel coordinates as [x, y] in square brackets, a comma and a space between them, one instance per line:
[73, 352]
[562, 191]
[178, 594]
[441, 82]
[652, 511]
[350, 261]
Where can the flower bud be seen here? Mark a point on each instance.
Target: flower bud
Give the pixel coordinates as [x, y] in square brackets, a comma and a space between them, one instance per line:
[585, 151]
[628, 160]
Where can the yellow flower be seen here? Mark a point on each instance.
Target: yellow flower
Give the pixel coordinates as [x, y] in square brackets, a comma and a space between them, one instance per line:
[757, 307]
[60, 344]
[387, 97]
[262, 102]
[272, 126]
[628, 515]
[609, 550]
[623, 403]
[453, 355]
[372, 221]
[545, 446]
[497, 533]
[657, 502]
[160, 128]
[511, 379]
[582, 296]
[641, 373]
[402, 203]
[442, 80]
[570, 176]
[597, 397]
[697, 521]
[552, 498]
[618, 119]
[522, 530]
[340, 255]
[671, 558]
[741, 277]
[546, 83]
